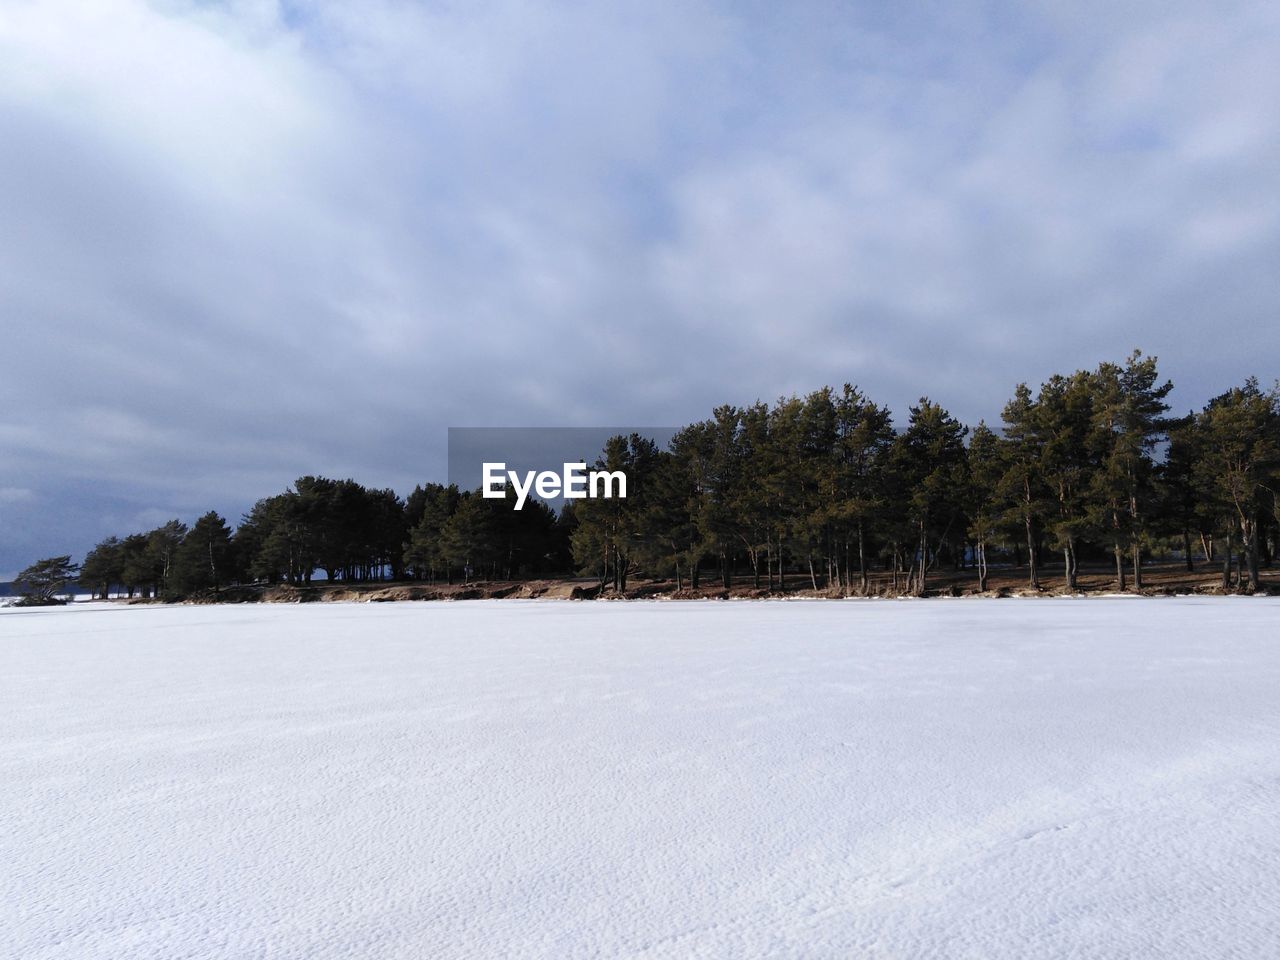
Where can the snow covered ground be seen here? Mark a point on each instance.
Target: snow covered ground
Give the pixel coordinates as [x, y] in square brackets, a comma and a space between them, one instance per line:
[968, 778]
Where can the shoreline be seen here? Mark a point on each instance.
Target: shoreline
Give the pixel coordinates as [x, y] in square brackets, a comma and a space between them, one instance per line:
[1160, 583]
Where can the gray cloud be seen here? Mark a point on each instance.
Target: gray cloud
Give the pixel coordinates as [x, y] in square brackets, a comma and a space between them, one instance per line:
[249, 240]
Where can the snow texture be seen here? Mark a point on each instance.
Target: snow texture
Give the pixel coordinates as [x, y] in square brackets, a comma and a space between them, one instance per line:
[958, 779]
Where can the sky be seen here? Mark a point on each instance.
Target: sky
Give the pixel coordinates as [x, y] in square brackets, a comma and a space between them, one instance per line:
[246, 241]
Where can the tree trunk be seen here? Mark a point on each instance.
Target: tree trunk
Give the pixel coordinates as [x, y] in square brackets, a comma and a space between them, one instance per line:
[1249, 551]
[862, 561]
[1226, 565]
[1120, 580]
[924, 561]
[1034, 576]
[1137, 567]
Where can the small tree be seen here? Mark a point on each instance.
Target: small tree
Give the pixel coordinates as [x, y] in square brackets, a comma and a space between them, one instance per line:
[40, 584]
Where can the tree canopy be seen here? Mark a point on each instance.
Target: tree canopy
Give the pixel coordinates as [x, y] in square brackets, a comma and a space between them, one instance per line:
[41, 583]
[815, 490]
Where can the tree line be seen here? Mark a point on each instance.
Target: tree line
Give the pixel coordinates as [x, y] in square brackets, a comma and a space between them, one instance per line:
[818, 491]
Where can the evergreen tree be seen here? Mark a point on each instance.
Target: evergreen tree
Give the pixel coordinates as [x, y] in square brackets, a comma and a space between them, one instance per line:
[1063, 415]
[930, 458]
[1238, 464]
[424, 551]
[469, 539]
[1129, 407]
[1021, 486]
[609, 530]
[39, 584]
[204, 559]
[162, 546]
[103, 568]
[1179, 506]
[985, 468]
[141, 568]
[864, 438]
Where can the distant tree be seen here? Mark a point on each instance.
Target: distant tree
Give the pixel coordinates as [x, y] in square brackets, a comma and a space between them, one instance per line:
[162, 546]
[270, 543]
[610, 531]
[1128, 410]
[815, 481]
[1238, 464]
[528, 539]
[103, 568]
[1063, 417]
[39, 584]
[469, 540]
[668, 535]
[1021, 485]
[864, 439]
[424, 552]
[751, 499]
[1179, 505]
[387, 530]
[819, 484]
[986, 465]
[724, 514]
[204, 560]
[789, 496]
[930, 461]
[141, 569]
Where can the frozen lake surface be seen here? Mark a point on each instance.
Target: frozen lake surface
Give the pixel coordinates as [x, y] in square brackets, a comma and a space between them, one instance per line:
[969, 778]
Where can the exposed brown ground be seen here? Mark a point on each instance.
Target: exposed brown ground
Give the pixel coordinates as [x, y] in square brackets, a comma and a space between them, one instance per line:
[1158, 579]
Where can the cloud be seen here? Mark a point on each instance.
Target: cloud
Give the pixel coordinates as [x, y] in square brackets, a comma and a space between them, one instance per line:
[243, 241]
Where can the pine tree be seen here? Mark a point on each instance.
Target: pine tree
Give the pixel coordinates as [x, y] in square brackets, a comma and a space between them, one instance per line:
[103, 568]
[930, 457]
[469, 539]
[1021, 486]
[39, 584]
[1238, 463]
[1129, 407]
[424, 552]
[986, 465]
[1063, 423]
[864, 437]
[162, 545]
[204, 560]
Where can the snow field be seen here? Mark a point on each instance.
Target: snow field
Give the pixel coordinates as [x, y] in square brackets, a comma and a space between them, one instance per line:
[968, 778]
